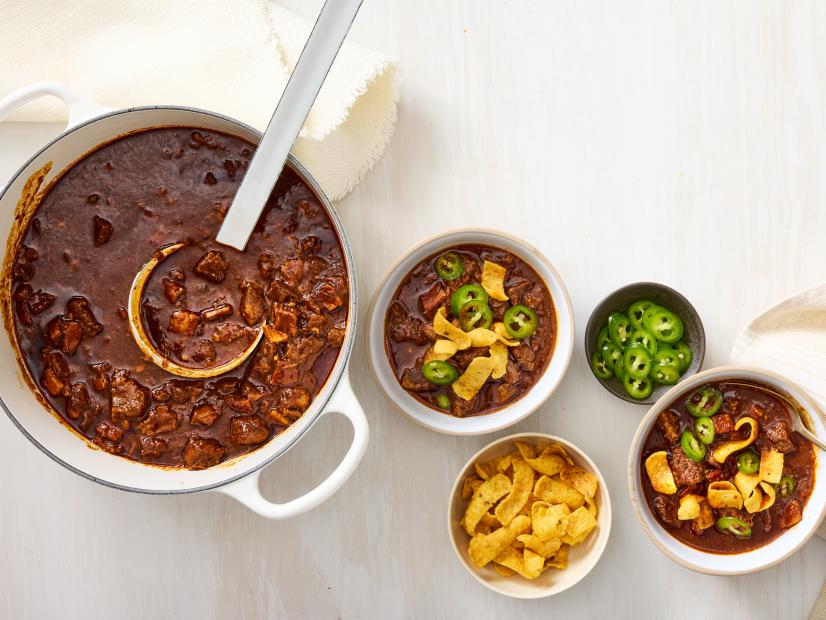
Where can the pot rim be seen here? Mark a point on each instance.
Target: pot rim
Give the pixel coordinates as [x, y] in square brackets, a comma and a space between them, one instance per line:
[333, 378]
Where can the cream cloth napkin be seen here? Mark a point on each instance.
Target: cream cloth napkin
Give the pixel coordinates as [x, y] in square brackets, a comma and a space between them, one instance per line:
[790, 339]
[232, 57]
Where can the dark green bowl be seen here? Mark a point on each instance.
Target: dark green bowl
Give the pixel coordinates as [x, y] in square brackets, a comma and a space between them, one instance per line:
[693, 333]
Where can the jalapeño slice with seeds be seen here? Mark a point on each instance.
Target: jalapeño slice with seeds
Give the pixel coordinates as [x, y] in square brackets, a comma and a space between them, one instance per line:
[439, 372]
[466, 293]
[449, 266]
[520, 321]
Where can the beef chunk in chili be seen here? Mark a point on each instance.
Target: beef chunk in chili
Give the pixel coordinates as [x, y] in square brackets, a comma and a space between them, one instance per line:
[779, 435]
[248, 430]
[666, 510]
[432, 299]
[204, 414]
[403, 327]
[414, 381]
[153, 447]
[160, 419]
[253, 305]
[129, 398]
[792, 514]
[108, 437]
[723, 424]
[78, 308]
[686, 472]
[668, 424]
[173, 291]
[202, 452]
[78, 401]
[212, 266]
[102, 230]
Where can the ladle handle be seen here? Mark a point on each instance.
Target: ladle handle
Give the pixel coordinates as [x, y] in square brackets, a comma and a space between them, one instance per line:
[247, 492]
[301, 91]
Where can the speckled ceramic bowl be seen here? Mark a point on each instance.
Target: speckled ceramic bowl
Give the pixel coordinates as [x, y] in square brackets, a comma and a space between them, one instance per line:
[694, 335]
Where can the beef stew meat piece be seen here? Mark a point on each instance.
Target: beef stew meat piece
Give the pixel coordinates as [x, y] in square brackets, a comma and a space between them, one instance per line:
[774, 433]
[202, 306]
[686, 472]
[409, 332]
[666, 509]
[668, 423]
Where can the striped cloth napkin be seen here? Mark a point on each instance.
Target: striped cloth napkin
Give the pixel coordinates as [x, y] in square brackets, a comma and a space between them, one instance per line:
[790, 339]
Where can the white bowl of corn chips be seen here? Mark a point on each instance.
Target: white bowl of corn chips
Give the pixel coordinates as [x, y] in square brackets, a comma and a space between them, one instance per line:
[529, 515]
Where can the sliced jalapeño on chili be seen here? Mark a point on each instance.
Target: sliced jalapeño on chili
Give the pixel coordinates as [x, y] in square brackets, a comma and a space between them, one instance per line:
[705, 402]
[439, 372]
[748, 462]
[692, 447]
[466, 293]
[475, 313]
[520, 321]
[734, 526]
[705, 430]
[449, 266]
[786, 486]
[443, 401]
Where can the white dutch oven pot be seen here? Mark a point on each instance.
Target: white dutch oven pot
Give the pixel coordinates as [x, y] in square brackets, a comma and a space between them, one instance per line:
[90, 125]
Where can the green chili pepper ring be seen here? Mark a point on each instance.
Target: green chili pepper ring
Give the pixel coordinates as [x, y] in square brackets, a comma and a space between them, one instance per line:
[440, 373]
[520, 321]
[466, 293]
[475, 313]
[449, 266]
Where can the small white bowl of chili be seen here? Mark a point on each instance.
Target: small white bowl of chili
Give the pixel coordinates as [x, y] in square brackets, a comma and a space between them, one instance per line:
[422, 282]
[700, 552]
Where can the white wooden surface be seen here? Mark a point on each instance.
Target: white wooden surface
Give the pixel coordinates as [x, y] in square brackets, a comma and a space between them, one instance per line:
[683, 142]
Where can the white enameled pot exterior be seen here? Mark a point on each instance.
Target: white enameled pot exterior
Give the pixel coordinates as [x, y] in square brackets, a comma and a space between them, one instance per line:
[750, 561]
[509, 414]
[90, 125]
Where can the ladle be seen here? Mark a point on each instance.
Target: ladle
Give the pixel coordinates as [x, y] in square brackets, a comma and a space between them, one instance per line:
[312, 67]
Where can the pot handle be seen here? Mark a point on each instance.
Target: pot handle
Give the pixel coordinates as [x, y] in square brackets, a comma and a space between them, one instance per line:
[80, 109]
[247, 492]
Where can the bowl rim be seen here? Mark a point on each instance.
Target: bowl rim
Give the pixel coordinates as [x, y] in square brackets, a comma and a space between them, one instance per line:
[604, 510]
[633, 473]
[701, 333]
[562, 305]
